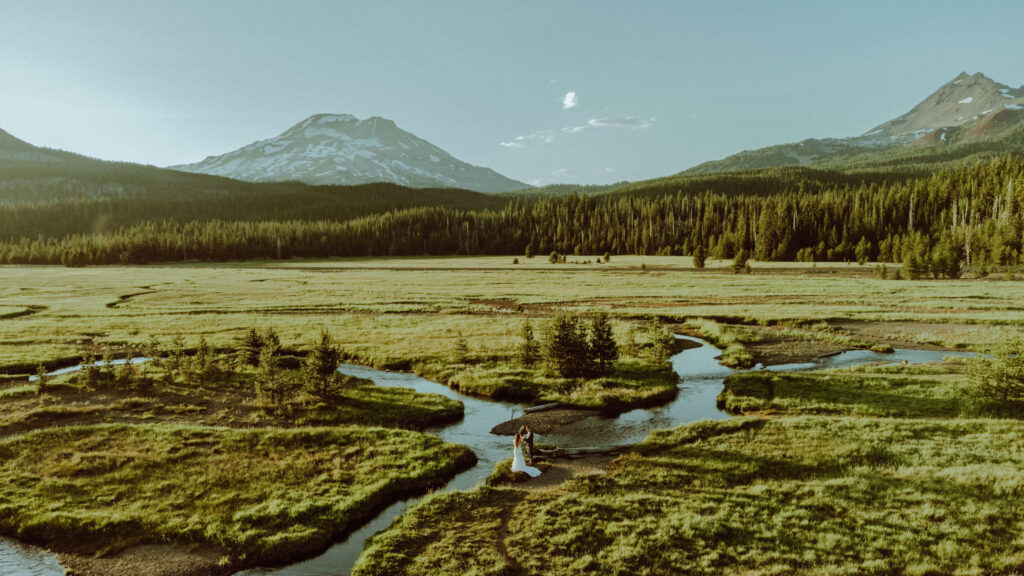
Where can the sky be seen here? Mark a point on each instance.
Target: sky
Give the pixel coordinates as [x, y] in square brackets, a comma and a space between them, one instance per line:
[542, 91]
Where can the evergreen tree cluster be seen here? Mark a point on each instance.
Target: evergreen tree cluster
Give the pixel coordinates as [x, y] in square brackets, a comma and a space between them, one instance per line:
[1001, 376]
[937, 225]
[571, 349]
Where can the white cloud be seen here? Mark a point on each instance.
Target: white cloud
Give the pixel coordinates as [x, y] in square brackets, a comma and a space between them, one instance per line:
[570, 100]
[628, 123]
[543, 137]
[563, 172]
[548, 136]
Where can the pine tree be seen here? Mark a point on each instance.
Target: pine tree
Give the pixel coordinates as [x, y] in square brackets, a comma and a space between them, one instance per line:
[126, 372]
[272, 386]
[632, 345]
[529, 348]
[700, 256]
[662, 342]
[1000, 377]
[89, 375]
[250, 347]
[603, 348]
[567, 349]
[739, 262]
[321, 369]
[202, 367]
[863, 251]
[271, 339]
[460, 353]
[176, 359]
[153, 352]
[42, 380]
[106, 368]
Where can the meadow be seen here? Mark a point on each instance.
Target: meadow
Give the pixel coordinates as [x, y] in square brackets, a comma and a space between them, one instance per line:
[259, 496]
[820, 460]
[395, 311]
[867, 489]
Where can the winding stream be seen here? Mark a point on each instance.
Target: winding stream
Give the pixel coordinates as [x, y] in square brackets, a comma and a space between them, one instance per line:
[701, 379]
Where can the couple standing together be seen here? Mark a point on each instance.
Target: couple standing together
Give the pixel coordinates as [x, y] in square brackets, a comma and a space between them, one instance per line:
[523, 437]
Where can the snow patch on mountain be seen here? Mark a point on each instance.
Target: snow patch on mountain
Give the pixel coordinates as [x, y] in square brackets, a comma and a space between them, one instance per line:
[342, 149]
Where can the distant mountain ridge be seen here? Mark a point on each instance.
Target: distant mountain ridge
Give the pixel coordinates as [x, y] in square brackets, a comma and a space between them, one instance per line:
[340, 149]
[965, 109]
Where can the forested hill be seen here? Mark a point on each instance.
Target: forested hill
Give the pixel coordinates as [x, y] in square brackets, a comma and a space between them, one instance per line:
[936, 223]
[50, 193]
[871, 167]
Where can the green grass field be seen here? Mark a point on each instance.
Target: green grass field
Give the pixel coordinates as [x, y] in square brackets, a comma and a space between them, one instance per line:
[226, 401]
[893, 481]
[262, 495]
[874, 470]
[396, 310]
[936, 391]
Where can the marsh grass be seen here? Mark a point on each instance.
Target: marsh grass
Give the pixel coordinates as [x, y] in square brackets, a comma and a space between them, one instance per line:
[730, 339]
[471, 545]
[227, 400]
[264, 495]
[929, 391]
[393, 311]
[803, 495]
[633, 383]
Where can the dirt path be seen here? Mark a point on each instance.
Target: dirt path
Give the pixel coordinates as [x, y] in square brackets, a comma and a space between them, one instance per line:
[513, 568]
[564, 469]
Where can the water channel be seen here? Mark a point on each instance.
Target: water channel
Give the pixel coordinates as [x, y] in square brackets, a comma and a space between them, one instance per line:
[700, 382]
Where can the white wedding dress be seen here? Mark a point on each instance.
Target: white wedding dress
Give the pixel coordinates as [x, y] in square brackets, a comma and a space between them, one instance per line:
[519, 464]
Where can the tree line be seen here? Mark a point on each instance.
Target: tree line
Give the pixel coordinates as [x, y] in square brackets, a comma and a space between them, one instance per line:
[975, 214]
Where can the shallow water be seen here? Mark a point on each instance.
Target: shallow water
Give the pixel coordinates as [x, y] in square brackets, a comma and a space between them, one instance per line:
[77, 367]
[700, 377]
[700, 383]
[17, 559]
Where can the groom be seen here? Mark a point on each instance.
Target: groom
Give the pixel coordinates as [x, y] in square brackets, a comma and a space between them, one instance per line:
[527, 435]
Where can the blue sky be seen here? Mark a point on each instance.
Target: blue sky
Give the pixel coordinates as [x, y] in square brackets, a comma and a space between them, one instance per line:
[659, 86]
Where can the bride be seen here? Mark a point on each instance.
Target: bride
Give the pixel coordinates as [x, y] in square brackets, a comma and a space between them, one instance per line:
[518, 464]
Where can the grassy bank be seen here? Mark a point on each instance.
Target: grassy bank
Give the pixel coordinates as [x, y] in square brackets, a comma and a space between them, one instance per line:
[937, 390]
[632, 384]
[228, 400]
[881, 469]
[264, 496]
[803, 495]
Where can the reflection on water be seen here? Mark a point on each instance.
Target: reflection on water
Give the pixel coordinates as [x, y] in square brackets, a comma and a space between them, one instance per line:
[700, 377]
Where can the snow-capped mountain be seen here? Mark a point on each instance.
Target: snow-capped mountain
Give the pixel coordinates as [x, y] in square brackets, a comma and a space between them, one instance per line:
[968, 107]
[342, 149]
[963, 101]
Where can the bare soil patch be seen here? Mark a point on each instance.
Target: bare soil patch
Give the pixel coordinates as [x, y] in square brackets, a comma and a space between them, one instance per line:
[153, 560]
[778, 349]
[564, 469]
[543, 422]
